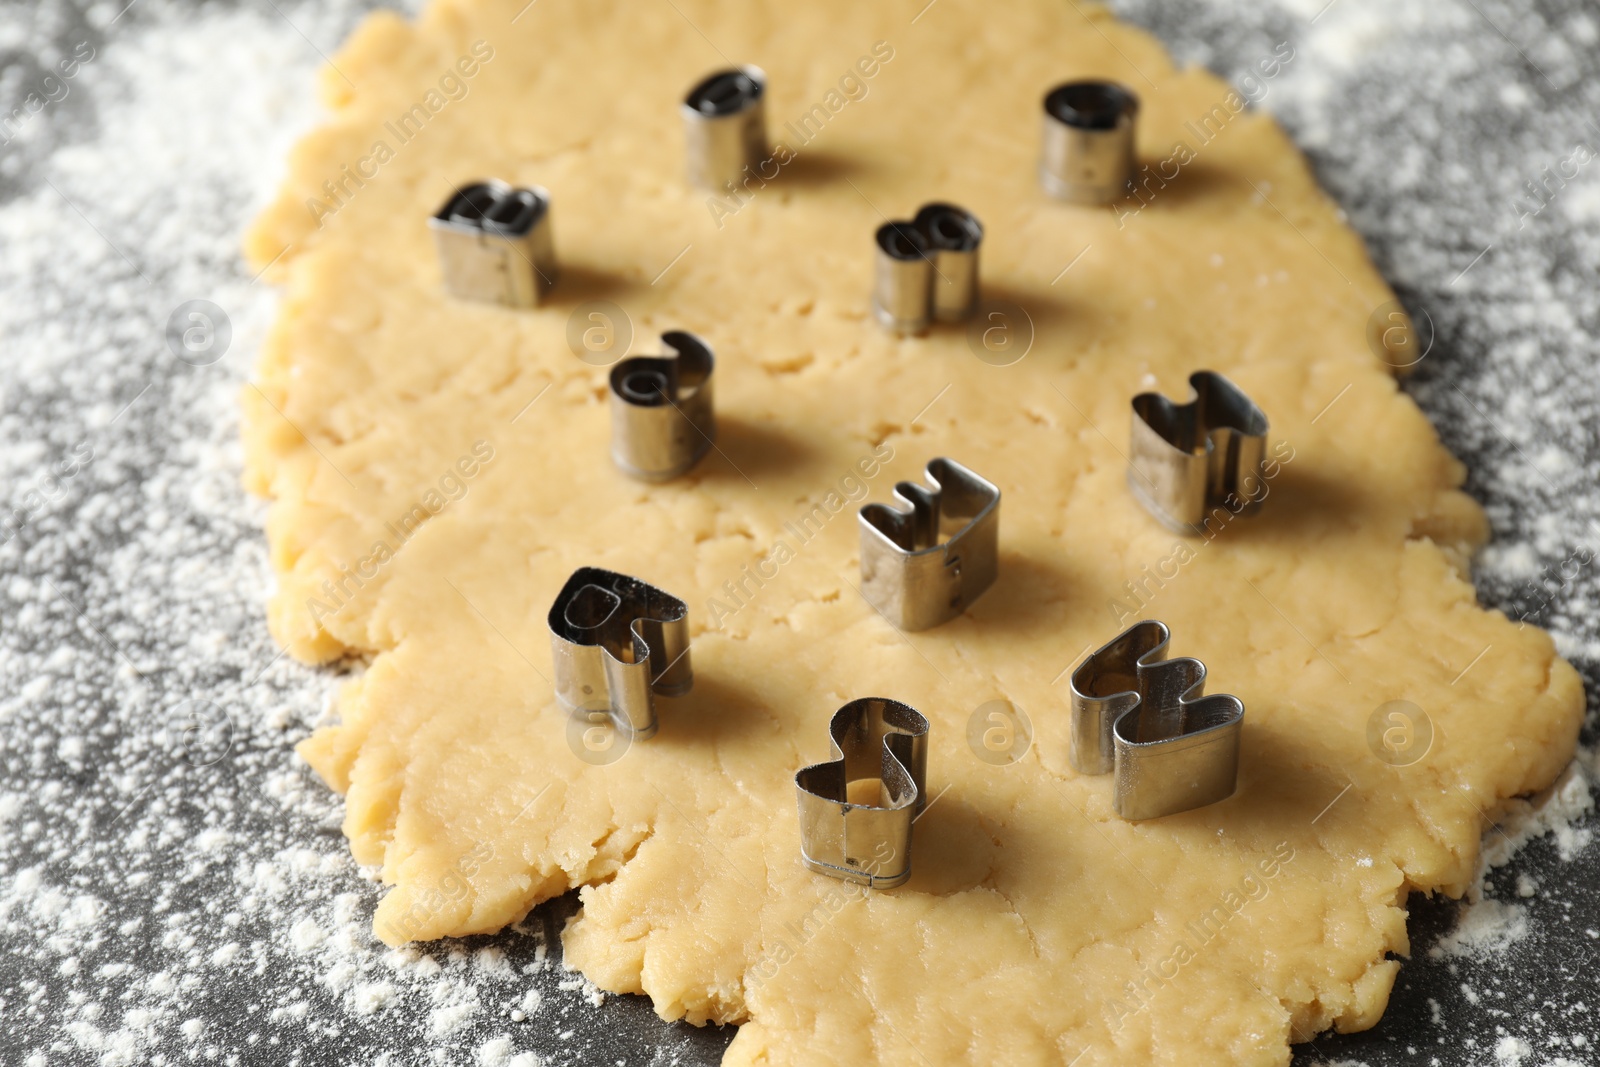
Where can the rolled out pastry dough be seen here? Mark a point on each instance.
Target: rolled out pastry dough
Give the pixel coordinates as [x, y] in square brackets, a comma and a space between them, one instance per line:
[437, 468]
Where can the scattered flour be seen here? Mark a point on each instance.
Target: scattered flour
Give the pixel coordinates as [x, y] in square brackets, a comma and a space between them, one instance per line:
[1511, 1051]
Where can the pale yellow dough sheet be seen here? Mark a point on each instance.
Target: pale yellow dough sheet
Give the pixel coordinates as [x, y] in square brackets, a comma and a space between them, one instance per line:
[1038, 926]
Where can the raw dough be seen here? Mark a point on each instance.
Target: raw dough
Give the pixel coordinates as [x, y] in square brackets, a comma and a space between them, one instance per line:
[1038, 925]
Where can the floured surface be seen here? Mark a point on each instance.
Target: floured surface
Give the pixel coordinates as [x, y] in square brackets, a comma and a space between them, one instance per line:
[1330, 604]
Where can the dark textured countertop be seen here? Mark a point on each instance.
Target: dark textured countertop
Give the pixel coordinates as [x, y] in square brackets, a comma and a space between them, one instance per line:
[173, 884]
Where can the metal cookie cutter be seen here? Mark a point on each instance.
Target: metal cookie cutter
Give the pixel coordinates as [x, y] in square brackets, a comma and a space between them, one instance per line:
[954, 235]
[661, 416]
[1087, 155]
[927, 268]
[1185, 460]
[614, 641]
[1144, 718]
[494, 244]
[925, 563]
[725, 125]
[902, 273]
[866, 843]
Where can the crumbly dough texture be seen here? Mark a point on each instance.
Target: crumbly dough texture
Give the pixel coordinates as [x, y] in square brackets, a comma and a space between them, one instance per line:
[1038, 926]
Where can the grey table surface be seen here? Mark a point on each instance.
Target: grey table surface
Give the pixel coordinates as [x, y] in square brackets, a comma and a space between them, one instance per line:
[166, 903]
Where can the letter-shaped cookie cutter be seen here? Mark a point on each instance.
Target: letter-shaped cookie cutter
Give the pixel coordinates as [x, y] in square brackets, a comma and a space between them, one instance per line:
[1186, 460]
[614, 641]
[866, 843]
[662, 422]
[926, 562]
[725, 126]
[927, 268]
[1087, 155]
[494, 244]
[1143, 717]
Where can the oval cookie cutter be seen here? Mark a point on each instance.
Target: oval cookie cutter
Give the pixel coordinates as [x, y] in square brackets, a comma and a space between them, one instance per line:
[725, 126]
